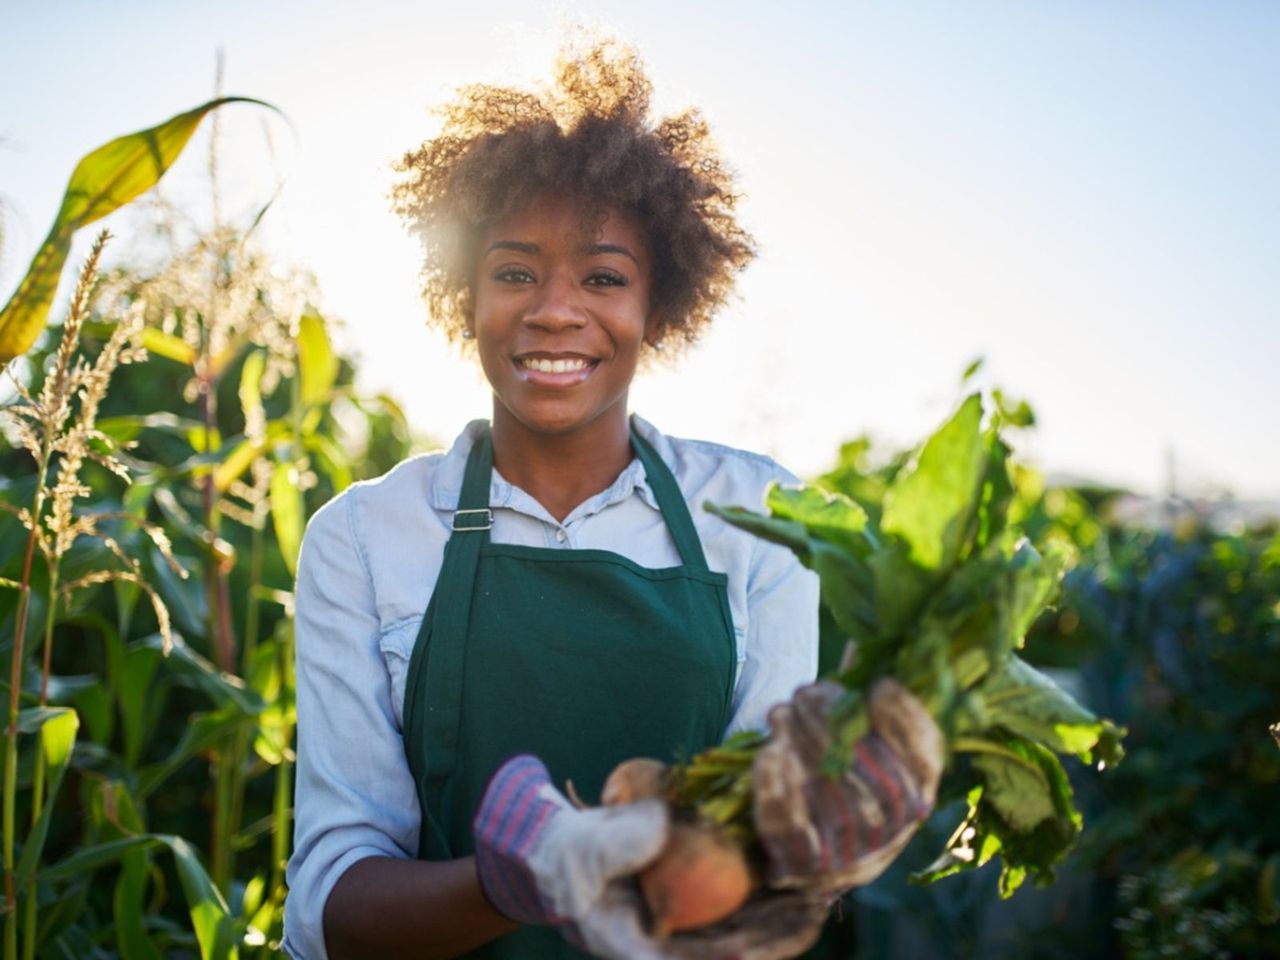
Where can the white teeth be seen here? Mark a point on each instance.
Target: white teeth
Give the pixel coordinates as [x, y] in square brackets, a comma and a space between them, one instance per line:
[543, 365]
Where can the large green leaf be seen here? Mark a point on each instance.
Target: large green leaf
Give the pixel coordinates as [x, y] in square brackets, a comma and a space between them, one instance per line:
[210, 918]
[317, 363]
[58, 728]
[331, 459]
[267, 676]
[789, 533]
[1029, 704]
[129, 907]
[828, 516]
[251, 384]
[102, 182]
[202, 732]
[287, 513]
[242, 455]
[156, 341]
[930, 504]
[137, 669]
[202, 674]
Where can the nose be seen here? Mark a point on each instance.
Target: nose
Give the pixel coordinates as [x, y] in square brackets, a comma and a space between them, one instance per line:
[557, 306]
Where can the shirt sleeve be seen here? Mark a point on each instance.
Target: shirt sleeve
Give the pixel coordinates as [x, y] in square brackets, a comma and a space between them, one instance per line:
[355, 797]
[781, 645]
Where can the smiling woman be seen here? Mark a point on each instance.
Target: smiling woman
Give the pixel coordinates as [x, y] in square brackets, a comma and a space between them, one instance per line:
[547, 599]
[560, 318]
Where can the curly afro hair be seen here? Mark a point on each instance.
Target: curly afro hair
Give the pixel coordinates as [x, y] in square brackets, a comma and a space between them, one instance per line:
[590, 137]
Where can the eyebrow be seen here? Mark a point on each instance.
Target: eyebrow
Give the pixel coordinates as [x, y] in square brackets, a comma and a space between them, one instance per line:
[529, 248]
[612, 248]
[533, 248]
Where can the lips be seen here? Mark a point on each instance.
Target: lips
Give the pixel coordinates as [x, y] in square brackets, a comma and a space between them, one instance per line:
[558, 369]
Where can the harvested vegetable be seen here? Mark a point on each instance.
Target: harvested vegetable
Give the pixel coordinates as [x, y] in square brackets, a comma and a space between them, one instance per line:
[938, 592]
[634, 780]
[701, 877]
[702, 874]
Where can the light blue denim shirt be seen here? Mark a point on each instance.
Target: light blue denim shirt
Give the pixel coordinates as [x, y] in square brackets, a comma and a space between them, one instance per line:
[369, 563]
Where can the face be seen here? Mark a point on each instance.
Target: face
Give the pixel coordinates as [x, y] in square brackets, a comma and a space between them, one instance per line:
[560, 316]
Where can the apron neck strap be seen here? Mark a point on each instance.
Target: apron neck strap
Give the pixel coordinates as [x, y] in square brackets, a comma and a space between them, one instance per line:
[474, 516]
[671, 502]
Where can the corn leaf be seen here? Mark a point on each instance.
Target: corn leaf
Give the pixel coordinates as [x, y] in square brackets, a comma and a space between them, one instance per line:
[210, 918]
[137, 669]
[251, 383]
[102, 182]
[163, 344]
[287, 513]
[58, 726]
[331, 459]
[317, 363]
[128, 907]
[202, 732]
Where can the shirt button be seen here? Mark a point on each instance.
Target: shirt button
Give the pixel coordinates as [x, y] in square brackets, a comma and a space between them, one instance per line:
[561, 535]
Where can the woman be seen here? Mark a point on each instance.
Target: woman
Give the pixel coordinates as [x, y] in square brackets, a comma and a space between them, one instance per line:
[549, 590]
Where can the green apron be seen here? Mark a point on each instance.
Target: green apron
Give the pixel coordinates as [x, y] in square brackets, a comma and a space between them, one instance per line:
[580, 657]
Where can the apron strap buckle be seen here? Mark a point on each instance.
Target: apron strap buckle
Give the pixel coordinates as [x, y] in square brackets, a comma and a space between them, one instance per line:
[473, 520]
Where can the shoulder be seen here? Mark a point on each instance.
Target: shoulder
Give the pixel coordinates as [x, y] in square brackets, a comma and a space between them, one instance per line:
[716, 472]
[415, 486]
[382, 517]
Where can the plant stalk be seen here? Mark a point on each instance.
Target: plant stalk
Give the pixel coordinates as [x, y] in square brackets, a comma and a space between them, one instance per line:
[37, 780]
[281, 812]
[11, 729]
[242, 741]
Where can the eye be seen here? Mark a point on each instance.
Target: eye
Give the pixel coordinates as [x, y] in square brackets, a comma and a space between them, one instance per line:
[513, 273]
[602, 277]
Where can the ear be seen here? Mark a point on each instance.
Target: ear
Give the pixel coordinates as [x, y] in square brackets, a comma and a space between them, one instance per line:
[655, 329]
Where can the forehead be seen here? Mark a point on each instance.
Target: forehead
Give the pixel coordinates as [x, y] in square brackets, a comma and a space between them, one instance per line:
[548, 220]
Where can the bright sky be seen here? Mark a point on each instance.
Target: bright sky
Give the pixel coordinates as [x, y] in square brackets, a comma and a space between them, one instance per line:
[1085, 193]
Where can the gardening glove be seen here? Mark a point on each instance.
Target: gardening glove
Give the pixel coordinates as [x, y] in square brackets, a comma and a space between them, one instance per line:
[542, 861]
[832, 833]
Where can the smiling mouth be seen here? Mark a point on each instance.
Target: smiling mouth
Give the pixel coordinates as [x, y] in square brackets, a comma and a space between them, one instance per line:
[555, 365]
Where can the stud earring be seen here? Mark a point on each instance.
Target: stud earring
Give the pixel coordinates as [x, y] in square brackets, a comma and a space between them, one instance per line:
[468, 335]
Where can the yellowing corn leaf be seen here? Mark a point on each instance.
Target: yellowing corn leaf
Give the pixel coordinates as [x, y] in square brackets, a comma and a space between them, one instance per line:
[317, 364]
[102, 182]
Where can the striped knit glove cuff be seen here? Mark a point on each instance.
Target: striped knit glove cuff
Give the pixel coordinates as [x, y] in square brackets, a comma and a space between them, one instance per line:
[518, 805]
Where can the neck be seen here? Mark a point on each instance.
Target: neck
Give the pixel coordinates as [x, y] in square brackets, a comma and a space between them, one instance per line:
[561, 470]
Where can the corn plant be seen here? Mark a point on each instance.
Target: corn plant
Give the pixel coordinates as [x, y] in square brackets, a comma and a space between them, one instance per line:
[152, 515]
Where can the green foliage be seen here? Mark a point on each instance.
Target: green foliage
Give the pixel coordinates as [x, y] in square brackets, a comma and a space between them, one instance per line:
[1178, 631]
[102, 182]
[165, 830]
[931, 587]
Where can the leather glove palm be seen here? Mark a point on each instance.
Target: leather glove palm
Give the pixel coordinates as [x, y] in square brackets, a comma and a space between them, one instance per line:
[832, 833]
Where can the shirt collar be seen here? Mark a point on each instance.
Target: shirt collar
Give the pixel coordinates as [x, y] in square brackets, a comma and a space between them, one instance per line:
[446, 481]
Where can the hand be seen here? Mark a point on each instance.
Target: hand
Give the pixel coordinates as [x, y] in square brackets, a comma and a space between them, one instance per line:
[542, 861]
[832, 833]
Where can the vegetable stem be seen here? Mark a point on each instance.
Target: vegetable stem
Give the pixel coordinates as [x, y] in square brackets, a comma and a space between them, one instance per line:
[978, 745]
